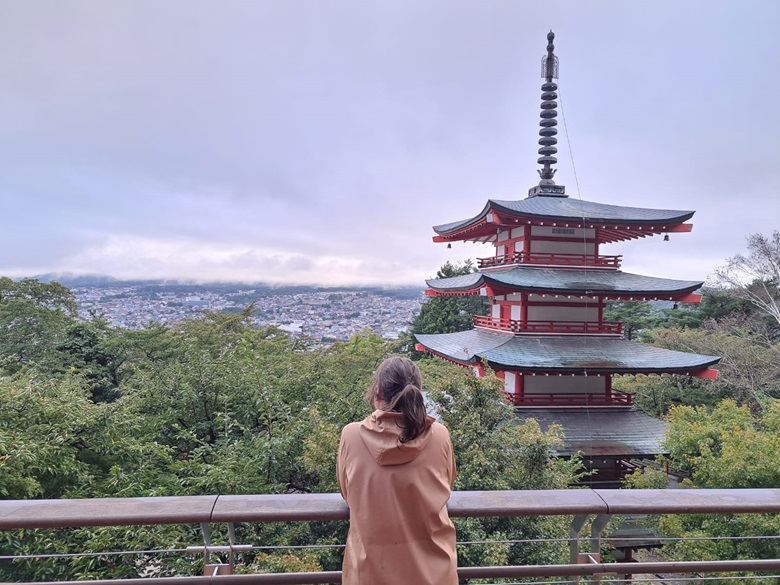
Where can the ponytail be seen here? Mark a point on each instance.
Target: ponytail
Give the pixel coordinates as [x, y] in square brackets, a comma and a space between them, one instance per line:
[400, 382]
[409, 402]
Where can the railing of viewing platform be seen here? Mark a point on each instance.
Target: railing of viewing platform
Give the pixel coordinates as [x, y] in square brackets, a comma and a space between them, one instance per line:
[582, 505]
[558, 260]
[614, 328]
[567, 399]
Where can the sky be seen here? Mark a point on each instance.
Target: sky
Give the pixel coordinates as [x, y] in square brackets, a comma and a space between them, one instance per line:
[317, 141]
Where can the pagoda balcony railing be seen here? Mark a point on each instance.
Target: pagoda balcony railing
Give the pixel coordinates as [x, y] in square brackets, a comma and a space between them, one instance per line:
[550, 327]
[565, 399]
[598, 506]
[562, 260]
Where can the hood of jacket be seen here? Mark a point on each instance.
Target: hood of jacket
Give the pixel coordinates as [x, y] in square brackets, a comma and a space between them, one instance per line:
[381, 433]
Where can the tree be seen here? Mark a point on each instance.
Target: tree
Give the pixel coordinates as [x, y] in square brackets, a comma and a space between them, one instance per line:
[755, 276]
[213, 406]
[724, 447]
[93, 349]
[749, 369]
[635, 316]
[448, 314]
[34, 316]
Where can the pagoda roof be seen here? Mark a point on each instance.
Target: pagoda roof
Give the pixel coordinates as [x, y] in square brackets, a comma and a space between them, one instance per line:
[557, 355]
[564, 281]
[573, 212]
[622, 433]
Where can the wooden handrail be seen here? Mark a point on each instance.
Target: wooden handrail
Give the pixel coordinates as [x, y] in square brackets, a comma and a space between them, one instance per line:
[551, 259]
[615, 398]
[18, 514]
[550, 326]
[580, 503]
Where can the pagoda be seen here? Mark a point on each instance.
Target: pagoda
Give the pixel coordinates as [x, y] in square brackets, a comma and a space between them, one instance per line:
[548, 284]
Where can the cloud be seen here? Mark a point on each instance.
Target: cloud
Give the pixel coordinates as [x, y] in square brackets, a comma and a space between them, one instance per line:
[318, 141]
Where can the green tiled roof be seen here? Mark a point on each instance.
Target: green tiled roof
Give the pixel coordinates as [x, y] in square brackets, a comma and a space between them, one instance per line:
[563, 354]
[623, 433]
[565, 281]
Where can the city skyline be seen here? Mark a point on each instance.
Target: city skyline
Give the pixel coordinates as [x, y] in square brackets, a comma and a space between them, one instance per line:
[317, 142]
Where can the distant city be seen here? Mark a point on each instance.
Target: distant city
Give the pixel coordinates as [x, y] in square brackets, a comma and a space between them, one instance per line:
[325, 314]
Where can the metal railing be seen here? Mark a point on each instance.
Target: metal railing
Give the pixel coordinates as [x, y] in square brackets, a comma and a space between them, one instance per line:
[583, 504]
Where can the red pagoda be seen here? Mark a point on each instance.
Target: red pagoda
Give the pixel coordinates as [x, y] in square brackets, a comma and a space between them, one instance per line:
[548, 284]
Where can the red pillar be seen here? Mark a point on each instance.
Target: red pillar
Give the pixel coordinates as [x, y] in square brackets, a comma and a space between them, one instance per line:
[523, 311]
[519, 380]
[527, 243]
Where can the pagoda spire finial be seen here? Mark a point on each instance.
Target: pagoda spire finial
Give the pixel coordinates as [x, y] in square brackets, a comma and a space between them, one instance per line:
[548, 123]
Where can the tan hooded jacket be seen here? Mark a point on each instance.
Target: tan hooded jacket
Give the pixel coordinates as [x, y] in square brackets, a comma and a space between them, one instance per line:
[399, 529]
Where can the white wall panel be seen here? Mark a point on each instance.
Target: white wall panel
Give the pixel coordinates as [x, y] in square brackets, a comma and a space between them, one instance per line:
[566, 384]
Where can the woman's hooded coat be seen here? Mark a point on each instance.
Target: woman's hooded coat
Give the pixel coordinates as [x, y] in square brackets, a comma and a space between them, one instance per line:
[399, 529]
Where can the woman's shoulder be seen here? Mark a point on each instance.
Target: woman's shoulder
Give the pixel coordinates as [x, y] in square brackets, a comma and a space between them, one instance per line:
[351, 429]
[439, 430]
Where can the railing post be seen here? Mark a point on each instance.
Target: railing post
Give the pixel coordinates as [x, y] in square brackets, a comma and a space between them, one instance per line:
[210, 570]
[596, 529]
[232, 542]
[219, 568]
[577, 524]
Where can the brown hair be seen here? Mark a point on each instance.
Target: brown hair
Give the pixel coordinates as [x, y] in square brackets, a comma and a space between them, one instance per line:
[400, 382]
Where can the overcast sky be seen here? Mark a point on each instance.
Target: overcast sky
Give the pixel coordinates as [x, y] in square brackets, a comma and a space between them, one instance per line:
[316, 141]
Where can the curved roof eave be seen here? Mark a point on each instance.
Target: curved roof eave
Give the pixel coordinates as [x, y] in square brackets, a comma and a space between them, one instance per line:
[564, 281]
[566, 209]
[563, 355]
[456, 225]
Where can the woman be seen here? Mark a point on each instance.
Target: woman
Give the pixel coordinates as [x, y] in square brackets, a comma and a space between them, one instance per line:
[395, 471]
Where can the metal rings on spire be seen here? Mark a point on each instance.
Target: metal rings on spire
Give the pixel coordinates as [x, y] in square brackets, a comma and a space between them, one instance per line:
[549, 114]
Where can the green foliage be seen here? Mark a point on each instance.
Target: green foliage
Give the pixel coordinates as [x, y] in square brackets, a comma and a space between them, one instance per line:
[34, 317]
[52, 437]
[646, 478]
[724, 447]
[748, 370]
[92, 349]
[639, 318]
[320, 451]
[655, 395]
[738, 537]
[635, 316]
[211, 406]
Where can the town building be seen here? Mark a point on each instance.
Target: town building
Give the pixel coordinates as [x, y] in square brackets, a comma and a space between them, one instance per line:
[548, 283]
